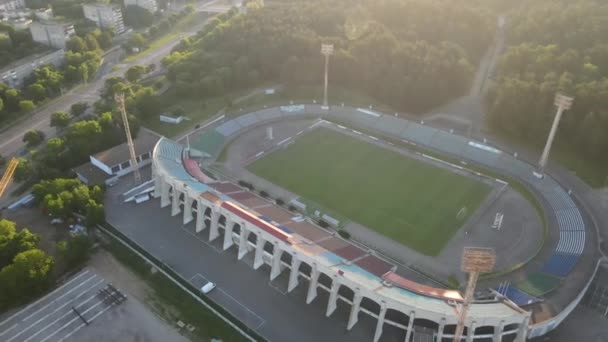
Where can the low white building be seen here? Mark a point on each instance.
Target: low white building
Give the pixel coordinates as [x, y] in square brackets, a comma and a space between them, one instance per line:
[52, 33]
[11, 5]
[17, 24]
[105, 16]
[15, 73]
[150, 5]
[106, 166]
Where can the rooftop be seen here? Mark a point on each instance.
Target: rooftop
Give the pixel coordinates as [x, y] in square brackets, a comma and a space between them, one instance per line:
[144, 142]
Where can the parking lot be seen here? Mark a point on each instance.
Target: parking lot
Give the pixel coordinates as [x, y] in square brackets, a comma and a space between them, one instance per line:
[63, 312]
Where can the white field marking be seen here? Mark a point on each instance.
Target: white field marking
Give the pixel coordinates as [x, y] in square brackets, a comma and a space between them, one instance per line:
[283, 141]
[82, 324]
[201, 240]
[71, 321]
[58, 298]
[340, 126]
[61, 307]
[390, 143]
[53, 322]
[300, 132]
[284, 293]
[357, 132]
[9, 329]
[259, 154]
[239, 303]
[45, 297]
[316, 123]
[373, 138]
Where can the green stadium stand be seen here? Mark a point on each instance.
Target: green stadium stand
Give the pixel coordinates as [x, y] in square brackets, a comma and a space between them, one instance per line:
[210, 142]
[538, 284]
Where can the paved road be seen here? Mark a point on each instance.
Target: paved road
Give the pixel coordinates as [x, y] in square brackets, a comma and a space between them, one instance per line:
[10, 140]
[61, 313]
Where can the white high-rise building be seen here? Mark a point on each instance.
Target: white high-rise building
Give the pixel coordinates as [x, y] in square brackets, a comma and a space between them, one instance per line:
[105, 16]
[11, 5]
[51, 33]
[150, 5]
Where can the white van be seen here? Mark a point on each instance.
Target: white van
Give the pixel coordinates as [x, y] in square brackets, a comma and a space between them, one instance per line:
[208, 287]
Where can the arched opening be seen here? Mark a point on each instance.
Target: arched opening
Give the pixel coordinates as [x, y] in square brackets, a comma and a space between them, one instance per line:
[346, 293]
[427, 327]
[269, 247]
[236, 229]
[325, 280]
[305, 269]
[286, 258]
[221, 221]
[513, 327]
[207, 223]
[370, 305]
[253, 238]
[449, 329]
[207, 212]
[195, 206]
[485, 330]
[397, 317]
[170, 191]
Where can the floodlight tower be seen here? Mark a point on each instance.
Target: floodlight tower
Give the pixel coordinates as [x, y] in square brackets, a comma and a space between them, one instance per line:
[120, 102]
[563, 103]
[326, 50]
[474, 261]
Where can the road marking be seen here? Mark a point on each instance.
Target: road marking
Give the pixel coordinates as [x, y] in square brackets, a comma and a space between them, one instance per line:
[72, 321]
[57, 320]
[61, 307]
[45, 297]
[56, 299]
[201, 240]
[82, 324]
[9, 329]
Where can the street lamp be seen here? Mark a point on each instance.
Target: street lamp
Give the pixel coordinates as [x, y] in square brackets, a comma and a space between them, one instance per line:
[326, 50]
[563, 103]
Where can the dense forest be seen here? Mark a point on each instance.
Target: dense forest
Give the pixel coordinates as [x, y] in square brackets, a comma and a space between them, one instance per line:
[412, 55]
[555, 46]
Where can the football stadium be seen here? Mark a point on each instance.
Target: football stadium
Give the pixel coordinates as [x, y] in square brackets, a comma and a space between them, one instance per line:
[375, 210]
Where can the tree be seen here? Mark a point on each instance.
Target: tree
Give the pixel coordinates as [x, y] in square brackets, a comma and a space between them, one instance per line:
[13, 242]
[37, 92]
[91, 42]
[76, 250]
[26, 106]
[135, 72]
[78, 108]
[137, 40]
[76, 44]
[60, 120]
[33, 138]
[83, 72]
[12, 98]
[1, 104]
[29, 275]
[24, 170]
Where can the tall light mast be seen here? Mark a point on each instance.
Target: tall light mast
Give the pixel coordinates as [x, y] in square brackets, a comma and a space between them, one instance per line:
[326, 50]
[474, 261]
[120, 102]
[563, 103]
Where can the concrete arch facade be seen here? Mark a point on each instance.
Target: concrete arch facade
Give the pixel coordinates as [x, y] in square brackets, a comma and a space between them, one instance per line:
[170, 183]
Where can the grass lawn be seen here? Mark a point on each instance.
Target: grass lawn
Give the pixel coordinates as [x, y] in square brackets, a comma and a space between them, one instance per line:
[409, 201]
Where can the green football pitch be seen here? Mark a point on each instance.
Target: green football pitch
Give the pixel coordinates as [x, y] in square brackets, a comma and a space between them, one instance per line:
[412, 202]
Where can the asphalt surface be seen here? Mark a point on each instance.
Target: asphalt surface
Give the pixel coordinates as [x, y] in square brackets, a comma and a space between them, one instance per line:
[60, 314]
[264, 306]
